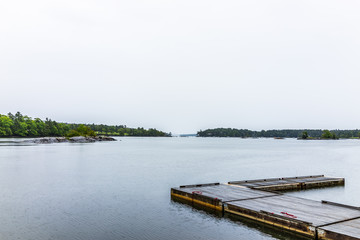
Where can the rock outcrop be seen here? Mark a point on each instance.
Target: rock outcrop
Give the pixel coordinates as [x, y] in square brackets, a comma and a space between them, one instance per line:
[80, 139]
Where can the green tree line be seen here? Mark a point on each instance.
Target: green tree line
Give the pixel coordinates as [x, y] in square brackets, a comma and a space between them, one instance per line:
[285, 133]
[123, 130]
[18, 125]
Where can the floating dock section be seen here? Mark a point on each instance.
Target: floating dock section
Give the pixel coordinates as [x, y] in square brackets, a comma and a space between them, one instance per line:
[253, 200]
[291, 183]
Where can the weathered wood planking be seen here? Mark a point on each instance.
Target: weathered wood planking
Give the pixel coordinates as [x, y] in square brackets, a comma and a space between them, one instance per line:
[317, 220]
[214, 195]
[291, 183]
[348, 230]
[306, 210]
[226, 192]
[292, 213]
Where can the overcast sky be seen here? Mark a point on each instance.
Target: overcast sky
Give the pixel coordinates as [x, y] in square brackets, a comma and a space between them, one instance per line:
[181, 65]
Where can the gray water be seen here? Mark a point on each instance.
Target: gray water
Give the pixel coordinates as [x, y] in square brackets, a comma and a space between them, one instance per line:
[121, 190]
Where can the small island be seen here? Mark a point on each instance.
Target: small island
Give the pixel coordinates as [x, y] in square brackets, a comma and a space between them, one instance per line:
[326, 135]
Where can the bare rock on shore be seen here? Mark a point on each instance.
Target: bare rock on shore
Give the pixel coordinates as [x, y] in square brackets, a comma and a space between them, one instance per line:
[104, 138]
[45, 140]
[61, 139]
[80, 139]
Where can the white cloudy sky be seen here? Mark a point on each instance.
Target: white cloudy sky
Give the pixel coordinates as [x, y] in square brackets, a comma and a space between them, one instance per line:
[183, 65]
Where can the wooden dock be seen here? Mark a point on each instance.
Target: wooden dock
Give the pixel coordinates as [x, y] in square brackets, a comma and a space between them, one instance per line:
[291, 183]
[253, 200]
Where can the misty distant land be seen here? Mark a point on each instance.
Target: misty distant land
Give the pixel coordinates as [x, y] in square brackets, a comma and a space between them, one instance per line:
[19, 125]
[301, 134]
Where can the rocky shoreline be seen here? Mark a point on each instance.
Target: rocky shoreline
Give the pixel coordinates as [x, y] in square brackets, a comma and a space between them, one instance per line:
[80, 139]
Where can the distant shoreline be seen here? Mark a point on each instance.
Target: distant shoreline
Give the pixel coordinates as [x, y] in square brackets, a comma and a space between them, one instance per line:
[306, 134]
[282, 138]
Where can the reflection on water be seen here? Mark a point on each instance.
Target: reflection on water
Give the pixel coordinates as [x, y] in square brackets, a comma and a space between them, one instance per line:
[121, 190]
[14, 143]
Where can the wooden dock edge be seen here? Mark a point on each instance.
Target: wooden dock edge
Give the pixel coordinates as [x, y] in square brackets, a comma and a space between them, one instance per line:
[323, 234]
[288, 224]
[275, 221]
[303, 186]
[198, 199]
[199, 185]
[273, 179]
[340, 205]
[291, 186]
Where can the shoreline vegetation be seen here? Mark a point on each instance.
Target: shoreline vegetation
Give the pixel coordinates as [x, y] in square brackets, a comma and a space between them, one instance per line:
[49, 131]
[18, 125]
[300, 134]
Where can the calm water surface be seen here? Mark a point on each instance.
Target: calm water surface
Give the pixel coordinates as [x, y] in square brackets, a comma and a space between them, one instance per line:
[121, 190]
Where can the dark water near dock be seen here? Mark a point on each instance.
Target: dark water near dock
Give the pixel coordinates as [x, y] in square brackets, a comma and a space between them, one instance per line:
[121, 190]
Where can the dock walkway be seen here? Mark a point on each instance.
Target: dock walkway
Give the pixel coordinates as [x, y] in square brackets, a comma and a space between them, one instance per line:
[251, 199]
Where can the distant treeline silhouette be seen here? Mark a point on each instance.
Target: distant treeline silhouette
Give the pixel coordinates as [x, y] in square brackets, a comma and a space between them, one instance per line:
[18, 125]
[285, 133]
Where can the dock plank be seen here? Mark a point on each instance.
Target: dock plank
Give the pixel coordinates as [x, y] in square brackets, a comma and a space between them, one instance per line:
[350, 229]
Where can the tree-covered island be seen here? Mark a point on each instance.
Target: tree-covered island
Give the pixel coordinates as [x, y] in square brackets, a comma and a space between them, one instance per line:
[18, 125]
[306, 134]
[326, 134]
